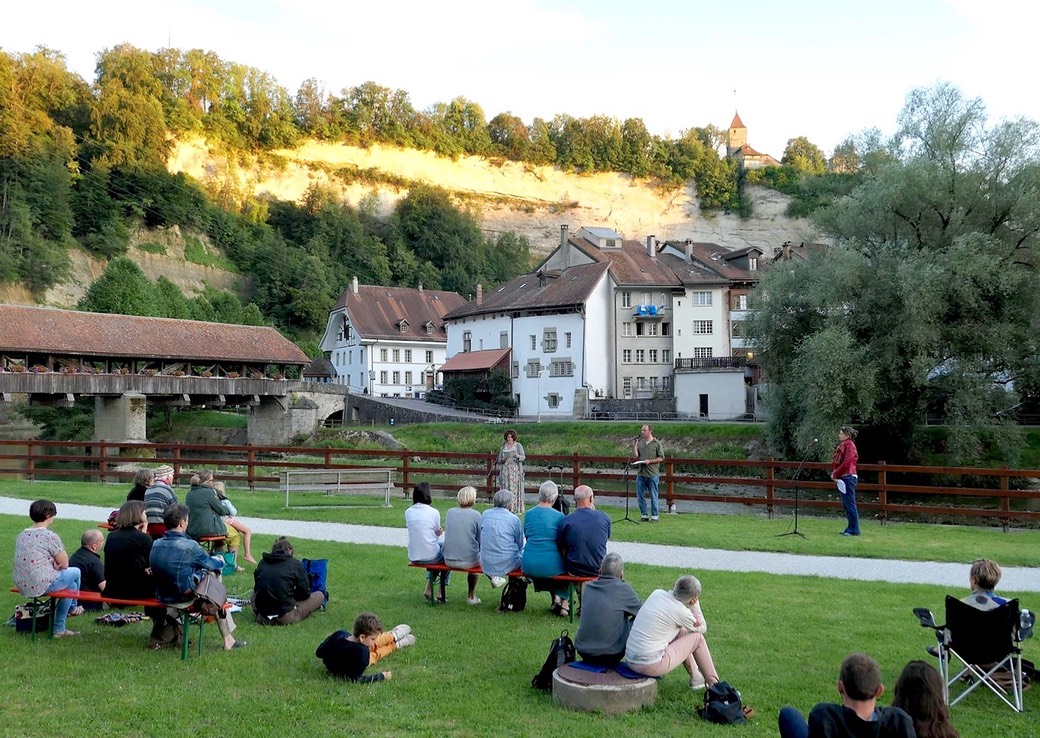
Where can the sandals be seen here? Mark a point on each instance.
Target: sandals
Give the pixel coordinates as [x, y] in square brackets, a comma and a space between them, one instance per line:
[748, 713]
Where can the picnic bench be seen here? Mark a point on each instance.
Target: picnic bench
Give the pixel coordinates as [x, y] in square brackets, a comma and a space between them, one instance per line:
[186, 610]
[569, 579]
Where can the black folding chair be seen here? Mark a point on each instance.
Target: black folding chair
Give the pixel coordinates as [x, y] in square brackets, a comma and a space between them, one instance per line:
[980, 647]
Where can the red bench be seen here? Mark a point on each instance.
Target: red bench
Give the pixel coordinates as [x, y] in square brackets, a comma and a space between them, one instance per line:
[569, 579]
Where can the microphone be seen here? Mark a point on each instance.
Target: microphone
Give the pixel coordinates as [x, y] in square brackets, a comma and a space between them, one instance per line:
[637, 438]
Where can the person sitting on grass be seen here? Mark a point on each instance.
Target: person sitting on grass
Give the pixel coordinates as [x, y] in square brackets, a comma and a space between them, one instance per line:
[501, 539]
[91, 570]
[425, 537]
[41, 564]
[462, 539]
[665, 634]
[609, 605]
[281, 589]
[347, 655]
[859, 684]
[919, 693]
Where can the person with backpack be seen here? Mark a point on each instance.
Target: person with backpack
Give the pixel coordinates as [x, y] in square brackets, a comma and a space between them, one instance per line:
[281, 589]
[347, 655]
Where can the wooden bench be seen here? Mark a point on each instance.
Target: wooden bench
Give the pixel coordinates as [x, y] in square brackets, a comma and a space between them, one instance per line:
[569, 579]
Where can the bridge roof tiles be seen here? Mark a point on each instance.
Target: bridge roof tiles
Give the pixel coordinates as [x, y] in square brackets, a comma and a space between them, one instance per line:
[73, 333]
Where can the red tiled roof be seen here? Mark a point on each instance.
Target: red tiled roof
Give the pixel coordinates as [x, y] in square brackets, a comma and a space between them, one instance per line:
[472, 361]
[559, 289]
[710, 264]
[737, 122]
[72, 333]
[746, 151]
[631, 264]
[377, 312]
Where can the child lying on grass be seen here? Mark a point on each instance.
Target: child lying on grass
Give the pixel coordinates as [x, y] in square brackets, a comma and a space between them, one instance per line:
[347, 656]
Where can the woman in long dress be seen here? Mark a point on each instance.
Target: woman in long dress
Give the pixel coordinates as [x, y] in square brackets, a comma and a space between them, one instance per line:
[511, 470]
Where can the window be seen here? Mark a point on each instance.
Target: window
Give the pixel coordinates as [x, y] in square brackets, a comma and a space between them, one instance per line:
[534, 343]
[626, 356]
[549, 340]
[407, 377]
[397, 355]
[641, 383]
[566, 340]
[702, 328]
[666, 356]
[382, 354]
[627, 385]
[403, 325]
[666, 383]
[429, 357]
[407, 356]
[752, 263]
[515, 370]
[428, 327]
[561, 368]
[740, 302]
[702, 352]
[653, 383]
[626, 329]
[736, 328]
[666, 329]
[640, 329]
[640, 356]
[652, 355]
[651, 329]
[552, 400]
[382, 377]
[626, 299]
[467, 342]
[701, 299]
[503, 339]
[397, 377]
[534, 368]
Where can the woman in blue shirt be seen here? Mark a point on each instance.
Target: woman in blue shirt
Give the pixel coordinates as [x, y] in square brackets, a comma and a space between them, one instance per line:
[542, 557]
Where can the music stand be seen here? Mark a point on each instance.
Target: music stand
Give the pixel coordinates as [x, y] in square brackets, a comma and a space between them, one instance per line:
[798, 472]
[628, 467]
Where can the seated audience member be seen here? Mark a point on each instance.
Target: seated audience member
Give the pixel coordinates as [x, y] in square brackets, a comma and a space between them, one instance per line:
[501, 539]
[127, 550]
[462, 539]
[239, 535]
[142, 481]
[348, 655]
[859, 684]
[41, 564]
[664, 635]
[542, 557]
[425, 537]
[157, 498]
[205, 510]
[584, 534]
[178, 565]
[281, 589]
[983, 579]
[609, 604]
[88, 561]
[919, 693]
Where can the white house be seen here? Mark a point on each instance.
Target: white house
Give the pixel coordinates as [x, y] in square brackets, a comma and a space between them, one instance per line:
[388, 341]
[556, 324]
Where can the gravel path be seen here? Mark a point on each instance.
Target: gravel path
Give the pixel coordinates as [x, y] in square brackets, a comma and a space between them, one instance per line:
[1014, 579]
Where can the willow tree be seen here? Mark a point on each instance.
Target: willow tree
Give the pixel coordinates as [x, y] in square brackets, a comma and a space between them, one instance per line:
[925, 307]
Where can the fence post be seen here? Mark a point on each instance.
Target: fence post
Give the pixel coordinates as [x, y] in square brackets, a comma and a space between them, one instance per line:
[103, 461]
[1005, 502]
[575, 471]
[882, 479]
[30, 460]
[406, 465]
[669, 488]
[489, 464]
[176, 460]
[251, 469]
[770, 489]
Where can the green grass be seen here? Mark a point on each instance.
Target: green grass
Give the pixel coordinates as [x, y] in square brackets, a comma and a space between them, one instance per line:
[152, 248]
[207, 419]
[196, 252]
[778, 639]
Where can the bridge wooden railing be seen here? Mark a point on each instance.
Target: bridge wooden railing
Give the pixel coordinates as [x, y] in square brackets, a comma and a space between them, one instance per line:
[1002, 495]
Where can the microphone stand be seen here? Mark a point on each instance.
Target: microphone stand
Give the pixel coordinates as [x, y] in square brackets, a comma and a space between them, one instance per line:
[628, 468]
[797, 473]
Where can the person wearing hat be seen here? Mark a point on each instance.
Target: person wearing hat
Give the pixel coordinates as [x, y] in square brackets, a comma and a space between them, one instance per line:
[157, 498]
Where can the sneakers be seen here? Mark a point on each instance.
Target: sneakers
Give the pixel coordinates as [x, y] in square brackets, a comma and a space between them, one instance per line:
[472, 600]
[400, 632]
[697, 681]
[645, 518]
[497, 582]
[654, 519]
[406, 641]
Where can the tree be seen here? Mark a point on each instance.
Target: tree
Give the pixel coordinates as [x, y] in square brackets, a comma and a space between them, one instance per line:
[509, 136]
[802, 154]
[123, 288]
[925, 305]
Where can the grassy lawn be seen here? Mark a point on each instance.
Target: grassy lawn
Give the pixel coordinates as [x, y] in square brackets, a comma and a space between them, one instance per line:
[778, 639]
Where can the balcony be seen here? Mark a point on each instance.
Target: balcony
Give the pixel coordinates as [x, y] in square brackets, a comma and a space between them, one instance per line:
[648, 312]
[713, 363]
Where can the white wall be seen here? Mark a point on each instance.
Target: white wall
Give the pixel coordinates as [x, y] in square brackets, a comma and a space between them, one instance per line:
[534, 391]
[684, 339]
[725, 390]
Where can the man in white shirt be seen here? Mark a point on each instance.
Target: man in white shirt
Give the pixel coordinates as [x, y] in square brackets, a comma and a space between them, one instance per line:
[668, 631]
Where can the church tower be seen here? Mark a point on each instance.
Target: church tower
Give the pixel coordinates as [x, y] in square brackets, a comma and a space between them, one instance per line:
[737, 136]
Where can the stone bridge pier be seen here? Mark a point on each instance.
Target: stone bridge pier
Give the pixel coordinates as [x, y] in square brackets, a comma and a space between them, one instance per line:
[275, 421]
[121, 418]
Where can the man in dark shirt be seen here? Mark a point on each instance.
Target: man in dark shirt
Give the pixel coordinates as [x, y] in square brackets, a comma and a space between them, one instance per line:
[859, 685]
[281, 590]
[583, 535]
[89, 563]
[608, 606]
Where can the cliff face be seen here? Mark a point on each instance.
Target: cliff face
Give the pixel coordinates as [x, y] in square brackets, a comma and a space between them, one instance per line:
[505, 196]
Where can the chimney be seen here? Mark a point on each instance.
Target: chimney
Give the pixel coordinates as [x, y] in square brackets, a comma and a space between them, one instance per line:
[688, 248]
[353, 285]
[420, 287]
[565, 248]
[651, 246]
[480, 294]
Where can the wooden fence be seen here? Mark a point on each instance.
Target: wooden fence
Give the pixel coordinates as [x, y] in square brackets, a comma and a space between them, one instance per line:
[1004, 496]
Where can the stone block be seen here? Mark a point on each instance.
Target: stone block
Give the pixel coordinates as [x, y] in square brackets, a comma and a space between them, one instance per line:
[605, 692]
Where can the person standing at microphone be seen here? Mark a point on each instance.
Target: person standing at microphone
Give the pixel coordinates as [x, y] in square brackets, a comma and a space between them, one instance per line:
[843, 472]
[648, 454]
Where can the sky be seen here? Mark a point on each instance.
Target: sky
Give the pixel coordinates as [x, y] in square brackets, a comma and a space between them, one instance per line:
[823, 69]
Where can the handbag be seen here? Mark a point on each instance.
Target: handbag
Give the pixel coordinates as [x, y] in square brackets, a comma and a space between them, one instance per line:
[722, 705]
[210, 595]
[24, 616]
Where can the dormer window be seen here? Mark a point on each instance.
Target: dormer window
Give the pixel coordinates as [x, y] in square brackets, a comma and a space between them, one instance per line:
[752, 263]
[403, 325]
[428, 327]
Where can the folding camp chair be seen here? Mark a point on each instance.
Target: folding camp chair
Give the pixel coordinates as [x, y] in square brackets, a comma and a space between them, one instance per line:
[987, 646]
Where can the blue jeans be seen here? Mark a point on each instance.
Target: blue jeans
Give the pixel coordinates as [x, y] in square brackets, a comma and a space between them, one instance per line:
[848, 501]
[792, 724]
[66, 579]
[643, 486]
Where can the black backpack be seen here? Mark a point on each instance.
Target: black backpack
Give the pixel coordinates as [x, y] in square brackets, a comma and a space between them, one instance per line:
[722, 705]
[514, 596]
[560, 652]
